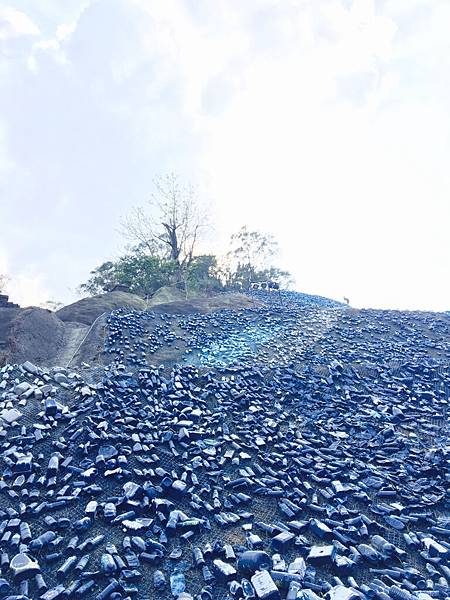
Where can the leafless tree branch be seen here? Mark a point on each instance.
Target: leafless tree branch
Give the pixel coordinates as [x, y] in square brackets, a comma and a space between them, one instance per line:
[171, 221]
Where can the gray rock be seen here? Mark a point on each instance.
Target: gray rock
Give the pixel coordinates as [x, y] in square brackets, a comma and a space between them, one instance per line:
[28, 366]
[341, 592]
[22, 387]
[24, 567]
[10, 415]
[265, 587]
[60, 378]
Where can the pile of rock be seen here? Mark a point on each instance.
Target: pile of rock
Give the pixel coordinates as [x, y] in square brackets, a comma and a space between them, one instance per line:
[313, 469]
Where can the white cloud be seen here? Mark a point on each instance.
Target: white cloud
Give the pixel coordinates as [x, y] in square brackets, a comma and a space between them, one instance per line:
[3, 262]
[6, 163]
[356, 193]
[14, 23]
[28, 288]
[324, 122]
[55, 46]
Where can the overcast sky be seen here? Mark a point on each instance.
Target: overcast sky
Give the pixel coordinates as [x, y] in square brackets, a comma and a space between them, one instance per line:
[324, 122]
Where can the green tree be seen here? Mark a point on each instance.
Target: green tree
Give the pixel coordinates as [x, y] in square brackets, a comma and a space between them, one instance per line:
[101, 279]
[249, 260]
[144, 274]
[203, 274]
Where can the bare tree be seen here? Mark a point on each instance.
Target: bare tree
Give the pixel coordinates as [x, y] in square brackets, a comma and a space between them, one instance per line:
[171, 223]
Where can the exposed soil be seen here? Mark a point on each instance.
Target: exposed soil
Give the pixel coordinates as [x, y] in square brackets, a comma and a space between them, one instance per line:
[205, 305]
[73, 338]
[32, 334]
[87, 310]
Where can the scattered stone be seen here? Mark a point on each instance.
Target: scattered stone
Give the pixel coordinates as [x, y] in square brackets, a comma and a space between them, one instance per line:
[28, 366]
[10, 415]
[23, 567]
[298, 449]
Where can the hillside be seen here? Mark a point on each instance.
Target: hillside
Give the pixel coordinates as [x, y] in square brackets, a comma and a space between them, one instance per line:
[86, 310]
[232, 445]
[51, 339]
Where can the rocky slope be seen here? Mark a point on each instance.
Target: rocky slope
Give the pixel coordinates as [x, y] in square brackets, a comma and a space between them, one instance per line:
[50, 339]
[287, 449]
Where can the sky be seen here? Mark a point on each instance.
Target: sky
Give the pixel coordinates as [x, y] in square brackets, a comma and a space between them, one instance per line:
[323, 122]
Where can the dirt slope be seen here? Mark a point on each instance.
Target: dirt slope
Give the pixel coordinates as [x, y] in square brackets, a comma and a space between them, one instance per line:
[32, 334]
[87, 310]
[205, 305]
[73, 337]
[167, 294]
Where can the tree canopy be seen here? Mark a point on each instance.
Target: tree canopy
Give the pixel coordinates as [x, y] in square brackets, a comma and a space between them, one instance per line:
[166, 233]
[143, 274]
[140, 273]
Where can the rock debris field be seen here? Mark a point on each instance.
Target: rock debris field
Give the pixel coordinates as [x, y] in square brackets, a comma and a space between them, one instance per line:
[294, 449]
